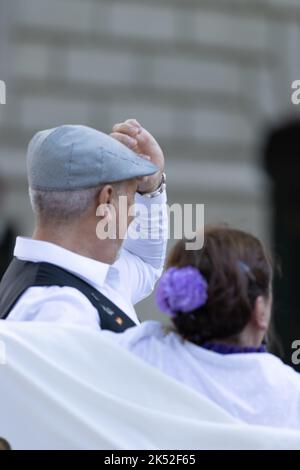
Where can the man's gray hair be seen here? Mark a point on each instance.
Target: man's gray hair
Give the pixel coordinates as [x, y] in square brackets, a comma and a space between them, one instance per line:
[61, 206]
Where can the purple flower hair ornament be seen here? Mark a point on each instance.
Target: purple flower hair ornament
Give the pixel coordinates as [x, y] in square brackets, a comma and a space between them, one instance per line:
[181, 290]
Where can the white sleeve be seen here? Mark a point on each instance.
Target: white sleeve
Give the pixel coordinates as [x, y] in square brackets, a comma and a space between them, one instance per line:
[142, 256]
[55, 304]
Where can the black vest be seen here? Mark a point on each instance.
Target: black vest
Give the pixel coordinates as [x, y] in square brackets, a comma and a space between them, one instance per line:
[21, 275]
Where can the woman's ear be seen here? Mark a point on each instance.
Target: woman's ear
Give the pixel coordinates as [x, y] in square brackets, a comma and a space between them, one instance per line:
[262, 313]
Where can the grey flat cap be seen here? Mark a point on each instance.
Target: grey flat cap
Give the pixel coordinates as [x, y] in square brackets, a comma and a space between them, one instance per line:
[77, 157]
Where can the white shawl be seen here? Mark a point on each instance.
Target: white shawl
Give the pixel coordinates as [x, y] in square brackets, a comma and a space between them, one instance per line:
[64, 387]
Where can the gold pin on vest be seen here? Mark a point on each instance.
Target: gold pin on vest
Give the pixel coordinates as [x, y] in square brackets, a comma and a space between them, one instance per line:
[119, 321]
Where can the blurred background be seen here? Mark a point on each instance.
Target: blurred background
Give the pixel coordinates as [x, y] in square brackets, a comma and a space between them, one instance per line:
[211, 79]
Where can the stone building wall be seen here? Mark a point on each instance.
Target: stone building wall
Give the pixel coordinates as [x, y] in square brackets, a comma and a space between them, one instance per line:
[205, 76]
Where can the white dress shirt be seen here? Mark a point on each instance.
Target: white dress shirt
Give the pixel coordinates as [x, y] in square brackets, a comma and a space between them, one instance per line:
[130, 279]
[257, 388]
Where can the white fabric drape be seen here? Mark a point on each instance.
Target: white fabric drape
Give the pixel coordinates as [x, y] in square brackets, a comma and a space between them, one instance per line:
[65, 387]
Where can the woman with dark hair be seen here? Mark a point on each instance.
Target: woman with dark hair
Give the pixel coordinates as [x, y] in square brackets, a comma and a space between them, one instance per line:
[219, 300]
[4, 445]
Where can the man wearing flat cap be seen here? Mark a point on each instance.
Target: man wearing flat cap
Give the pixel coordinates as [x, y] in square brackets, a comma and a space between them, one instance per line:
[67, 273]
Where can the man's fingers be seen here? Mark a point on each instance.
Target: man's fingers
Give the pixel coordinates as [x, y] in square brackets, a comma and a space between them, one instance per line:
[124, 139]
[134, 123]
[145, 157]
[125, 128]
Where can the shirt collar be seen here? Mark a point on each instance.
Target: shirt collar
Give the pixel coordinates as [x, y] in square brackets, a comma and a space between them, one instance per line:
[93, 272]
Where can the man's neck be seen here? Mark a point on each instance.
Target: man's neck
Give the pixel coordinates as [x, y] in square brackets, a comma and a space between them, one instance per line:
[80, 244]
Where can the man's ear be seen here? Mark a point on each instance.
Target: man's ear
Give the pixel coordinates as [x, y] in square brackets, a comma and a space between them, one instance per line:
[106, 211]
[105, 195]
[261, 313]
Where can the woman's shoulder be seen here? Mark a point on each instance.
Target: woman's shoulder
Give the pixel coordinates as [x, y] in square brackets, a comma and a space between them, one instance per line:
[276, 372]
[148, 330]
[144, 332]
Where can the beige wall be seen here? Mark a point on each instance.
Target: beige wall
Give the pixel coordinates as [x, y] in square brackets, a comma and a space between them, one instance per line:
[204, 76]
